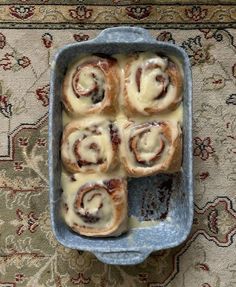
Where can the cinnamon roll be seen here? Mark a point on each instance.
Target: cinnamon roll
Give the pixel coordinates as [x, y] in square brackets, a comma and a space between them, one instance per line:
[90, 146]
[91, 85]
[96, 208]
[151, 147]
[152, 84]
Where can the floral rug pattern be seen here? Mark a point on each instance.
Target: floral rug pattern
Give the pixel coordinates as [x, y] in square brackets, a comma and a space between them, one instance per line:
[30, 33]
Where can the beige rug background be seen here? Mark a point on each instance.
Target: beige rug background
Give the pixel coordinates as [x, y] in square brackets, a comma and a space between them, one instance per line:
[30, 33]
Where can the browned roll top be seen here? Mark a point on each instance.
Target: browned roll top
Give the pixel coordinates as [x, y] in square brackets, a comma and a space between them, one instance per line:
[97, 208]
[91, 85]
[97, 89]
[151, 147]
[90, 146]
[142, 131]
[109, 186]
[153, 84]
[134, 143]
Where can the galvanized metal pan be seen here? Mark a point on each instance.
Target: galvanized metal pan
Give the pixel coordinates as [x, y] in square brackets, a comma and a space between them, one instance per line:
[171, 195]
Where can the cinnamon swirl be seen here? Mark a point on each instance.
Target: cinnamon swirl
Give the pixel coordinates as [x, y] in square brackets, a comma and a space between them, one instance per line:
[90, 146]
[96, 208]
[91, 85]
[153, 84]
[151, 147]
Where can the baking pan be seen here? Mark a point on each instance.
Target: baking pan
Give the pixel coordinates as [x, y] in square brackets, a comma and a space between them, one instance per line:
[162, 203]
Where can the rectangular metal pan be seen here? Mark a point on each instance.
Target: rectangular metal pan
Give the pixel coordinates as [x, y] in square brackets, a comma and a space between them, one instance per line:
[172, 194]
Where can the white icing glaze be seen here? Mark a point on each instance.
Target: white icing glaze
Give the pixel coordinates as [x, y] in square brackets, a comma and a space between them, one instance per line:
[66, 119]
[122, 61]
[92, 200]
[82, 140]
[148, 144]
[150, 87]
[89, 76]
[134, 223]
[86, 80]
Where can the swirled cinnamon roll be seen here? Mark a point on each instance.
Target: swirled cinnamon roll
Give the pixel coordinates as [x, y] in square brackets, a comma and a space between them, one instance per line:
[151, 147]
[152, 84]
[90, 146]
[91, 85]
[96, 208]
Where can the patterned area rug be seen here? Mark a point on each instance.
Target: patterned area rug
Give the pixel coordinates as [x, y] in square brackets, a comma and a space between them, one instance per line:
[30, 32]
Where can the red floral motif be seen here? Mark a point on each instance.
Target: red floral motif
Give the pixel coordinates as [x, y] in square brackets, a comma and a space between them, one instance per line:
[10, 60]
[81, 37]
[196, 13]
[23, 141]
[2, 41]
[32, 222]
[198, 53]
[165, 37]
[29, 221]
[24, 62]
[215, 82]
[58, 281]
[202, 266]
[139, 12]
[22, 11]
[18, 165]
[81, 13]
[19, 277]
[42, 95]
[47, 40]
[7, 61]
[5, 107]
[3, 101]
[234, 70]
[213, 221]
[41, 142]
[203, 148]
[208, 33]
[80, 279]
[204, 175]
